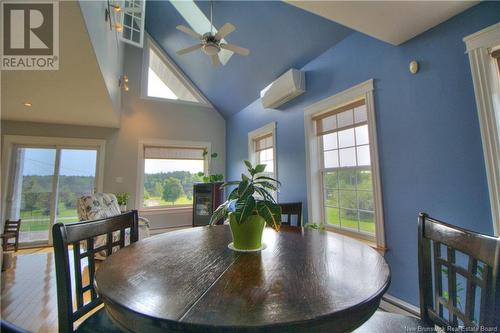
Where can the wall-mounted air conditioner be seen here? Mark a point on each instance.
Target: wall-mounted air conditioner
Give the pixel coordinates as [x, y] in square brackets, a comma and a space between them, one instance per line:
[283, 89]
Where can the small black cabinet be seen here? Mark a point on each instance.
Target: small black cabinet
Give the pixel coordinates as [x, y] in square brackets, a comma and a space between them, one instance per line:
[206, 198]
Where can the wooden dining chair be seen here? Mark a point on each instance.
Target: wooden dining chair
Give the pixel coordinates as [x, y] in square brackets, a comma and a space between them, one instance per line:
[74, 234]
[11, 231]
[459, 281]
[289, 210]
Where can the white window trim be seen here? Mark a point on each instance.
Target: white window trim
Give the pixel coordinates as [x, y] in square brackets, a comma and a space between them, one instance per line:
[139, 197]
[486, 89]
[259, 132]
[313, 167]
[150, 43]
[9, 141]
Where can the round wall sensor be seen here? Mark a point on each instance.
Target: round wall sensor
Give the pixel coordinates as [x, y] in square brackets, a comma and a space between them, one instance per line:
[413, 67]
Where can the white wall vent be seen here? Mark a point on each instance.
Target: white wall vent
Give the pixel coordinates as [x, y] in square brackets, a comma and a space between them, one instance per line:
[283, 89]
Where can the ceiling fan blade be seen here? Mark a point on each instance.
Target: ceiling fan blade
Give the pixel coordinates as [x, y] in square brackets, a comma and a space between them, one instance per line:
[235, 48]
[189, 31]
[215, 60]
[189, 49]
[225, 30]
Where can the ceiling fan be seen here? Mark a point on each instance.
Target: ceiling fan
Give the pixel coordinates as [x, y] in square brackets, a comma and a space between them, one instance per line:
[211, 43]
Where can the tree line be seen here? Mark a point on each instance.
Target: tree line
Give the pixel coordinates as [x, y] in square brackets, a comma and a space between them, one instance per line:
[170, 186]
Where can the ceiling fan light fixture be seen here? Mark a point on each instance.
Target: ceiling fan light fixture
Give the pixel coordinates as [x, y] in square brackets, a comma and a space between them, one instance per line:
[211, 49]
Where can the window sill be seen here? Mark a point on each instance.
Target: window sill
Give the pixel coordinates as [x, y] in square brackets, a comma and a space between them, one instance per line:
[371, 243]
[163, 210]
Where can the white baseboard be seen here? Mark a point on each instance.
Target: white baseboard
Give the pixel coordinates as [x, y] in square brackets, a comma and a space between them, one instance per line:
[395, 305]
[157, 231]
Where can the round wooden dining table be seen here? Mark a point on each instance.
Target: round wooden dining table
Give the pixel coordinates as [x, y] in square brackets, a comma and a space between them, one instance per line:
[190, 281]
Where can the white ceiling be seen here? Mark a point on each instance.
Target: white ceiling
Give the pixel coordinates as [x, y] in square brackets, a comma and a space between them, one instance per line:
[75, 94]
[394, 22]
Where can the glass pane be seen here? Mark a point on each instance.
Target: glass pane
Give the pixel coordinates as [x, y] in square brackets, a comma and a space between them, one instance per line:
[331, 197]
[347, 157]
[330, 141]
[332, 216]
[349, 219]
[169, 182]
[362, 135]
[363, 155]
[345, 118]
[346, 138]
[76, 178]
[364, 180]
[365, 200]
[360, 114]
[366, 222]
[347, 179]
[348, 199]
[330, 180]
[331, 159]
[328, 124]
[31, 198]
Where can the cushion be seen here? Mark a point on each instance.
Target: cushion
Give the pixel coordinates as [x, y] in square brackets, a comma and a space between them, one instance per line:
[386, 322]
[98, 322]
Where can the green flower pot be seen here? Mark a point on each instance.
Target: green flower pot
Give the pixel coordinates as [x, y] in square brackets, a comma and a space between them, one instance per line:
[247, 235]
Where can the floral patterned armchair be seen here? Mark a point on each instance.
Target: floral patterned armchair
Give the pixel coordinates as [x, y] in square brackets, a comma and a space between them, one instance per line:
[101, 205]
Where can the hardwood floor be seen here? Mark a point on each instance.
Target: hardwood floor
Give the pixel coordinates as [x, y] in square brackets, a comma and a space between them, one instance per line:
[28, 291]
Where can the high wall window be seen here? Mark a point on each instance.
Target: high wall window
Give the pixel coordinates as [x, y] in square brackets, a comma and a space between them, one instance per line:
[344, 190]
[169, 174]
[261, 148]
[346, 168]
[162, 79]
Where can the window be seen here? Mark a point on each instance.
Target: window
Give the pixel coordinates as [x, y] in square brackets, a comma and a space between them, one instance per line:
[343, 181]
[46, 177]
[261, 144]
[346, 169]
[169, 175]
[132, 18]
[483, 48]
[162, 79]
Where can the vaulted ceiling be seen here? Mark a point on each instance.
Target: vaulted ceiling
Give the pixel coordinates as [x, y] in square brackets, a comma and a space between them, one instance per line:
[278, 35]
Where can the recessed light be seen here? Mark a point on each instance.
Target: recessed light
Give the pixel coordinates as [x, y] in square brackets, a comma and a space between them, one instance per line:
[27, 104]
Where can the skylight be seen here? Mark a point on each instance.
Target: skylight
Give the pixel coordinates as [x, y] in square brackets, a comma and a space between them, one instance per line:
[165, 82]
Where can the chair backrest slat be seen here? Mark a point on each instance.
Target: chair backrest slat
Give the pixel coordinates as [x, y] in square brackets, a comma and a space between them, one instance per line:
[80, 236]
[449, 281]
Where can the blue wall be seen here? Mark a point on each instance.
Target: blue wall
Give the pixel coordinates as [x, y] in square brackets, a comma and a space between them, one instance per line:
[429, 140]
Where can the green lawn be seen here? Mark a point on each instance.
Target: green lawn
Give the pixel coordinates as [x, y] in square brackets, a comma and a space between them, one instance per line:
[158, 201]
[37, 220]
[334, 219]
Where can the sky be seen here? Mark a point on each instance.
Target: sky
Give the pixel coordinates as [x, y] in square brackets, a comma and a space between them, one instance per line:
[156, 166]
[74, 162]
[78, 162]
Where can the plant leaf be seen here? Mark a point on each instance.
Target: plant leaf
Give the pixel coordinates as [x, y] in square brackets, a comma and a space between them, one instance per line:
[245, 189]
[265, 194]
[214, 155]
[233, 195]
[245, 177]
[244, 209]
[248, 164]
[226, 184]
[262, 177]
[266, 184]
[260, 168]
[271, 213]
[220, 212]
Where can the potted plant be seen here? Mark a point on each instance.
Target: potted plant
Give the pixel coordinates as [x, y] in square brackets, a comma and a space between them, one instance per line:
[209, 178]
[250, 206]
[122, 199]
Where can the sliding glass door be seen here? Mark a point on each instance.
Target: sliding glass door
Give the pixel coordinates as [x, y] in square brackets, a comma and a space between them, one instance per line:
[45, 185]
